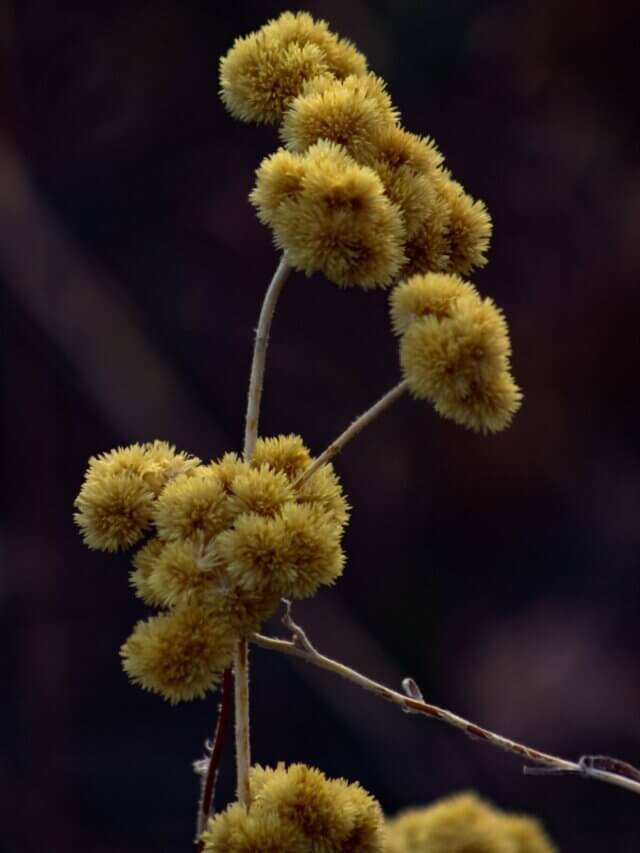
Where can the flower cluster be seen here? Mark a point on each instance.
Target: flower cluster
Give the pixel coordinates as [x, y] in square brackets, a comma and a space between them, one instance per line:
[226, 540]
[296, 809]
[464, 823]
[351, 193]
[455, 350]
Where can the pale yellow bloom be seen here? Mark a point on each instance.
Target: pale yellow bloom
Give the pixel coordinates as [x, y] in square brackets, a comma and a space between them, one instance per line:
[113, 509]
[352, 112]
[433, 294]
[341, 223]
[194, 505]
[144, 562]
[297, 809]
[261, 490]
[469, 228]
[179, 654]
[286, 453]
[279, 178]
[183, 572]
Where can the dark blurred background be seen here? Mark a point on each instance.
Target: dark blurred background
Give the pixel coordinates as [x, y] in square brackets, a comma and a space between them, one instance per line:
[500, 572]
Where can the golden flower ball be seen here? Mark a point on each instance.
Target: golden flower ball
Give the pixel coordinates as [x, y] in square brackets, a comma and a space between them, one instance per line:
[469, 227]
[143, 563]
[179, 655]
[433, 294]
[193, 505]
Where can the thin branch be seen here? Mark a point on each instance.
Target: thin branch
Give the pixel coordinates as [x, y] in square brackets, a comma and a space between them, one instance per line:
[357, 426]
[259, 356]
[592, 767]
[213, 762]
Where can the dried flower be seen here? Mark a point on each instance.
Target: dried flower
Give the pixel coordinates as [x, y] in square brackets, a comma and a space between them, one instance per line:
[427, 248]
[323, 490]
[265, 70]
[260, 490]
[183, 572]
[114, 509]
[424, 295]
[179, 654]
[278, 178]
[286, 453]
[341, 56]
[461, 824]
[194, 505]
[351, 112]
[341, 223]
[469, 228]
[298, 810]
[144, 562]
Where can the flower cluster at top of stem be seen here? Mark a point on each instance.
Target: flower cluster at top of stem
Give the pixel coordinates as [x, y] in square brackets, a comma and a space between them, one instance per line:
[296, 809]
[465, 824]
[226, 541]
[352, 194]
[455, 350]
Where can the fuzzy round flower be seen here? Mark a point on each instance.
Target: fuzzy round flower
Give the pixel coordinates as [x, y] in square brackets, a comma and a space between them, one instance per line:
[278, 178]
[155, 462]
[291, 554]
[114, 509]
[179, 654]
[340, 55]
[298, 810]
[227, 469]
[458, 824]
[351, 112]
[286, 453]
[144, 563]
[424, 295]
[260, 490]
[411, 192]
[323, 490]
[259, 76]
[464, 823]
[527, 834]
[441, 356]
[469, 228]
[486, 405]
[183, 572]
[427, 247]
[398, 147]
[194, 505]
[341, 224]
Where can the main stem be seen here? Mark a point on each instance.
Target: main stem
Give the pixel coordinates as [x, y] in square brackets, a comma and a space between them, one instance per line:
[241, 657]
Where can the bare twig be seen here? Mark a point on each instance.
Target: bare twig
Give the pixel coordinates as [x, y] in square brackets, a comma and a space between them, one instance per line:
[357, 426]
[605, 769]
[213, 761]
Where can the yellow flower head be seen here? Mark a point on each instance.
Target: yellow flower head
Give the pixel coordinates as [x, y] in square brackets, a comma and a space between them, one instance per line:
[183, 572]
[291, 554]
[297, 810]
[527, 834]
[323, 490]
[469, 228]
[458, 824]
[341, 57]
[261, 490]
[278, 178]
[144, 562]
[194, 505]
[286, 453]
[116, 499]
[179, 654]
[464, 823]
[461, 364]
[427, 247]
[351, 112]
[399, 147]
[227, 469]
[341, 223]
[265, 70]
[433, 294]
[114, 509]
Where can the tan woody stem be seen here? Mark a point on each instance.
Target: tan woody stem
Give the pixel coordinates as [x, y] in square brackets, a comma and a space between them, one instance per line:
[357, 426]
[241, 657]
[602, 768]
